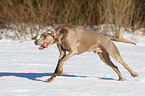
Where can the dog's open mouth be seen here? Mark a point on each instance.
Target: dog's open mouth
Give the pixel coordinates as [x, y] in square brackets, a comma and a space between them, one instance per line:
[45, 45]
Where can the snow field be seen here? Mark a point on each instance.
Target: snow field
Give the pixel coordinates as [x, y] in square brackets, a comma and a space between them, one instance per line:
[24, 70]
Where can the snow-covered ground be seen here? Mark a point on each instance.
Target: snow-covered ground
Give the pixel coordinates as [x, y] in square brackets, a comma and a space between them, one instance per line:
[24, 69]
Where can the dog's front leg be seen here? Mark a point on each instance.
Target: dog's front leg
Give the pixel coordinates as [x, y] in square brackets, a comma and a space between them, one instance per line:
[62, 51]
[58, 69]
[62, 55]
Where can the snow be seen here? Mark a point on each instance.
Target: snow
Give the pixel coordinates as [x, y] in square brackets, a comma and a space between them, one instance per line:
[24, 69]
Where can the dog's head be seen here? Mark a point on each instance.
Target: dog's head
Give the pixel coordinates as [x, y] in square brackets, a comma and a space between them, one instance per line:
[47, 38]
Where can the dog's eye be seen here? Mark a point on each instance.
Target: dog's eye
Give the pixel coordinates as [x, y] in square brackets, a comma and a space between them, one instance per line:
[43, 36]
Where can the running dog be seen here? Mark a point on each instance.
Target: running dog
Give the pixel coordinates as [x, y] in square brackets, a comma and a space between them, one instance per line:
[77, 40]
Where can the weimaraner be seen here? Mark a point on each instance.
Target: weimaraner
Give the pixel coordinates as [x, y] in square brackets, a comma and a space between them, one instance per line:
[77, 40]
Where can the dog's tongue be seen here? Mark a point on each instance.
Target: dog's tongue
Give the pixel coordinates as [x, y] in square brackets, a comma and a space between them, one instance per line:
[43, 46]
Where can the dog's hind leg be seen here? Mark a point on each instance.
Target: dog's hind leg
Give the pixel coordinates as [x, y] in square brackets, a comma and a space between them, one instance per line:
[119, 59]
[113, 51]
[105, 58]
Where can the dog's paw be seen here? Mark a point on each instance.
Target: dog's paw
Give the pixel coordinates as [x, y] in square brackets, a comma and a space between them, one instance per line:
[49, 80]
[134, 74]
[121, 79]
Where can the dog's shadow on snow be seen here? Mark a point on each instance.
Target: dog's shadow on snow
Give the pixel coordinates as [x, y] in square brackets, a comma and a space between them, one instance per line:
[37, 76]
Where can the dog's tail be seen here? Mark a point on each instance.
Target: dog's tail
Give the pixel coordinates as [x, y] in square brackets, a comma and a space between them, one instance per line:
[121, 40]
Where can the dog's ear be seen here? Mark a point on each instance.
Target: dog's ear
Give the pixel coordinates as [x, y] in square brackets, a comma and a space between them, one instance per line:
[63, 31]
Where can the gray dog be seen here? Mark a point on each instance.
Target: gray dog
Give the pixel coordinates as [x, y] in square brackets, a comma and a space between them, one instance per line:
[77, 40]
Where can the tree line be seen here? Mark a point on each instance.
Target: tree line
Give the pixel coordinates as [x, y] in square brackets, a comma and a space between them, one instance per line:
[121, 13]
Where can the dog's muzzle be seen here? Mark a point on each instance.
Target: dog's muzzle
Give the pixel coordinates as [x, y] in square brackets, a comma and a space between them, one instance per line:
[44, 45]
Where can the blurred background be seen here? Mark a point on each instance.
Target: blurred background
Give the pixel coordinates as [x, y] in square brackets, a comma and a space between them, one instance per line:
[19, 15]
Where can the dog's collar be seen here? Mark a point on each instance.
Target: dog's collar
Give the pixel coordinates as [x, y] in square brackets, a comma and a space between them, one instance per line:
[52, 32]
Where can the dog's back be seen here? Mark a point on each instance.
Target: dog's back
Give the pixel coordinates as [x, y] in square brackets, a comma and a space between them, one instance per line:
[82, 39]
